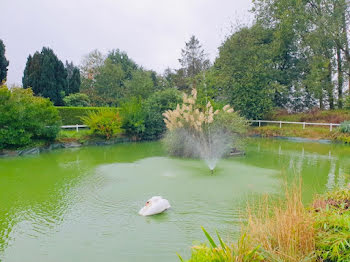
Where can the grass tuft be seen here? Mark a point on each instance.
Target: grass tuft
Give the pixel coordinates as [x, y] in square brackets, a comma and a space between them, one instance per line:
[285, 230]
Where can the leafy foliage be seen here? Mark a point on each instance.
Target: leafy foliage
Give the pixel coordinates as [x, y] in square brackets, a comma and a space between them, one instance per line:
[25, 118]
[105, 122]
[108, 88]
[345, 127]
[133, 118]
[154, 107]
[141, 85]
[73, 115]
[77, 99]
[332, 225]
[110, 80]
[245, 71]
[239, 252]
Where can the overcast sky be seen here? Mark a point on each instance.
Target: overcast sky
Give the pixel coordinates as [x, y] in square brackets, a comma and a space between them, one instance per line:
[152, 32]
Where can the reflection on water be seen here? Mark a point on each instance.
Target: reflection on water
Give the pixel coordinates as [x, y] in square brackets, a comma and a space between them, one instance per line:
[82, 204]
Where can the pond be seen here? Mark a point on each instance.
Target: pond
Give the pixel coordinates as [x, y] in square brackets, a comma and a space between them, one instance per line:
[82, 204]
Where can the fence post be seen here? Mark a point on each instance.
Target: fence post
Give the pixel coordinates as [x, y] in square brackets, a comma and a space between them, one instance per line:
[280, 124]
[331, 127]
[77, 127]
[259, 123]
[304, 125]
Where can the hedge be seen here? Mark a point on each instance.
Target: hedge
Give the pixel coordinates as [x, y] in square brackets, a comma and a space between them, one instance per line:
[72, 115]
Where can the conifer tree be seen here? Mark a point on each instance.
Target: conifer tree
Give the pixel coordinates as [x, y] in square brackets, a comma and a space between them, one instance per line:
[3, 63]
[73, 79]
[46, 75]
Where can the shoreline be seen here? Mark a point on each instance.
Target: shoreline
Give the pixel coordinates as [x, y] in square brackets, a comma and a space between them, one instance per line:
[36, 150]
[298, 139]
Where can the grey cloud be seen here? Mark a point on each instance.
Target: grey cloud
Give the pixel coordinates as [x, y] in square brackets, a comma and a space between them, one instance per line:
[152, 32]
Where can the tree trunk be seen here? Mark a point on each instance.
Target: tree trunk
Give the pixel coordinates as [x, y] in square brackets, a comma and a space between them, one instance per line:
[346, 51]
[330, 86]
[321, 101]
[340, 79]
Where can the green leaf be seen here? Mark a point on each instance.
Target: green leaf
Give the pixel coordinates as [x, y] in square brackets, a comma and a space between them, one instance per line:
[210, 239]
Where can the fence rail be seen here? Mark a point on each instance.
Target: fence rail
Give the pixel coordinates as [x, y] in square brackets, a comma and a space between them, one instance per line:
[331, 125]
[74, 126]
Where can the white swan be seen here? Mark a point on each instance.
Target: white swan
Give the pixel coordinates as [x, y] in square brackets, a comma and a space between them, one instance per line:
[155, 205]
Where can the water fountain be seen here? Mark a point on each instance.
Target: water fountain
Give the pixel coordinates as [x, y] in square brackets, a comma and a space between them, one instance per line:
[205, 134]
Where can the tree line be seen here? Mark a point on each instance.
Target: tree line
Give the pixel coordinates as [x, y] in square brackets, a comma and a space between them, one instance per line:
[294, 56]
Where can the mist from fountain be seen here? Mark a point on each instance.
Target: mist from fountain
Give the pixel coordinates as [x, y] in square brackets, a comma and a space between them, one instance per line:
[208, 146]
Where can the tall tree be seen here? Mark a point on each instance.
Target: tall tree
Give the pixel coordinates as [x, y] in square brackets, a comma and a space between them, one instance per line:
[73, 79]
[193, 58]
[119, 57]
[3, 63]
[315, 27]
[193, 61]
[116, 79]
[90, 69]
[141, 85]
[46, 75]
[108, 88]
[246, 71]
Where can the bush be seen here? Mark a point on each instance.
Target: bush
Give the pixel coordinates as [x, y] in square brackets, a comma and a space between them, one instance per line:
[285, 231]
[332, 226]
[25, 118]
[345, 127]
[77, 99]
[133, 118]
[154, 107]
[105, 122]
[73, 115]
[347, 101]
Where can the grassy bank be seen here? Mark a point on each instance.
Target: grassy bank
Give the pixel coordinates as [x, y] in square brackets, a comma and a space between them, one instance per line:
[74, 136]
[325, 116]
[288, 231]
[311, 132]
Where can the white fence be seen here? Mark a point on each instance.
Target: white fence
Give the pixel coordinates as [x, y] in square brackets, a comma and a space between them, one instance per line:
[76, 127]
[331, 125]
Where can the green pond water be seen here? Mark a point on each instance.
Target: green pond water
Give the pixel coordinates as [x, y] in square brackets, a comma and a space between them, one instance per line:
[82, 204]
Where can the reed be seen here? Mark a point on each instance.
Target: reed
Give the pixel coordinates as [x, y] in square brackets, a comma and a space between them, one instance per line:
[285, 231]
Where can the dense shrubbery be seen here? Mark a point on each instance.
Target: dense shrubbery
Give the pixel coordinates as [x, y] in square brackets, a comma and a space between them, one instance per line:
[332, 116]
[347, 101]
[141, 119]
[105, 122]
[73, 115]
[133, 118]
[25, 118]
[345, 127]
[77, 99]
[332, 226]
[154, 107]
